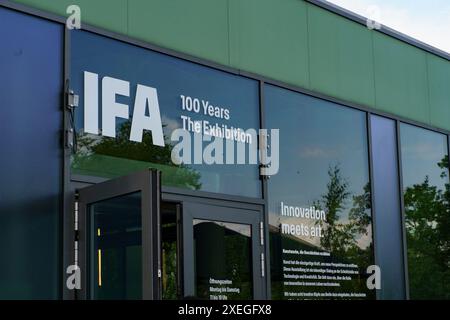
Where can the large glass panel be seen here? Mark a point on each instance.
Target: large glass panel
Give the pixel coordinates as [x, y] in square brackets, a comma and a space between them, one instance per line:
[223, 260]
[116, 248]
[320, 200]
[427, 215]
[31, 81]
[188, 95]
[388, 222]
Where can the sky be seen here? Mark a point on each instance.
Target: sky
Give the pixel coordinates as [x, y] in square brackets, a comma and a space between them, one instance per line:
[425, 20]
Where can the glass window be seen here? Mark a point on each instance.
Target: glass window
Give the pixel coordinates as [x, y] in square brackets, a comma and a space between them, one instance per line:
[186, 93]
[319, 202]
[116, 254]
[223, 265]
[427, 217]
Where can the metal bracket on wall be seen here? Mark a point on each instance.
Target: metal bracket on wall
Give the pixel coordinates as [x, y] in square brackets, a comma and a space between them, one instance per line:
[263, 149]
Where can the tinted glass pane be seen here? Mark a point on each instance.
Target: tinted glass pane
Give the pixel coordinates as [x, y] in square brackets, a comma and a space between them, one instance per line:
[116, 252]
[223, 265]
[427, 215]
[229, 101]
[388, 224]
[30, 162]
[319, 202]
[169, 246]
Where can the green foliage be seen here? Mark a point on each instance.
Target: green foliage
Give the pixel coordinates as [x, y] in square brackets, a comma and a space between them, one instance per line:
[169, 280]
[91, 147]
[427, 219]
[341, 235]
[348, 220]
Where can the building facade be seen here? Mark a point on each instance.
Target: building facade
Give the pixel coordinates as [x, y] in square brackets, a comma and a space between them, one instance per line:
[222, 149]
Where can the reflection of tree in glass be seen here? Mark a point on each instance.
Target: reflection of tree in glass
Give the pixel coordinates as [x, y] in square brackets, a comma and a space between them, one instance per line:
[122, 147]
[427, 219]
[238, 265]
[169, 291]
[342, 234]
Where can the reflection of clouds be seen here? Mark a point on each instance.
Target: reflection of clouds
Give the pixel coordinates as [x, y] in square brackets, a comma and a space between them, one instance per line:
[424, 151]
[317, 152]
[275, 219]
[170, 124]
[242, 229]
[85, 149]
[365, 240]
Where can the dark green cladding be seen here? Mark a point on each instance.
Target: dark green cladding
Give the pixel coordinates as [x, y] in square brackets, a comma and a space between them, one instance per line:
[290, 41]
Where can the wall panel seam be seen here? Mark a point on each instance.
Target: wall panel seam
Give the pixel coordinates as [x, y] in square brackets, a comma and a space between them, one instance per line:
[427, 70]
[308, 45]
[374, 70]
[228, 33]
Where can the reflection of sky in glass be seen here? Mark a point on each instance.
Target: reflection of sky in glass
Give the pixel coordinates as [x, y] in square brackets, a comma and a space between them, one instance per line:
[173, 77]
[242, 229]
[314, 136]
[422, 150]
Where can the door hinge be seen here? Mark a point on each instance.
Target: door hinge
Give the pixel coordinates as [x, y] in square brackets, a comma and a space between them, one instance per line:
[69, 139]
[76, 235]
[262, 265]
[261, 232]
[75, 217]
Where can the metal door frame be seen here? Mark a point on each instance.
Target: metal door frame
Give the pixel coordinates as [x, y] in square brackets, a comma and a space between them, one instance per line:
[147, 182]
[224, 211]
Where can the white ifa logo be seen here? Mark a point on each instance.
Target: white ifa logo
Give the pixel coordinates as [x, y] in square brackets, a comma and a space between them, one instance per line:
[111, 109]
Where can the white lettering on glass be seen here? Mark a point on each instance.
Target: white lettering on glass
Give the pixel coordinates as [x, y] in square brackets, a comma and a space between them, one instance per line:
[111, 109]
[90, 102]
[142, 122]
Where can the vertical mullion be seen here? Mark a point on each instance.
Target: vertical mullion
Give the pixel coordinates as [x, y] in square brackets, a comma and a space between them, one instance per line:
[402, 209]
[262, 118]
[67, 223]
[372, 188]
[150, 236]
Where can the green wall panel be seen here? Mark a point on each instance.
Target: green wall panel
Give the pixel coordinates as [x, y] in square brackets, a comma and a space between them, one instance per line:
[341, 57]
[401, 78]
[270, 38]
[108, 14]
[439, 84]
[197, 27]
[288, 40]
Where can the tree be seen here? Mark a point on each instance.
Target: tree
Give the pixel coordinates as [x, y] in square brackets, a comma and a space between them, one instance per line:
[427, 222]
[90, 146]
[348, 219]
[341, 235]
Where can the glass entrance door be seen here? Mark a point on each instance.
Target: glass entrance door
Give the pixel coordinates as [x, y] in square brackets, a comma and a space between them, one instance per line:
[223, 252]
[119, 238]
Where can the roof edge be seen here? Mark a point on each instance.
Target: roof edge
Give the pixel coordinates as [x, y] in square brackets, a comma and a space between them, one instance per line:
[383, 29]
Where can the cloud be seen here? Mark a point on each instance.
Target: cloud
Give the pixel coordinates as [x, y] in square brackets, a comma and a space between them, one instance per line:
[309, 152]
[427, 21]
[169, 123]
[424, 151]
